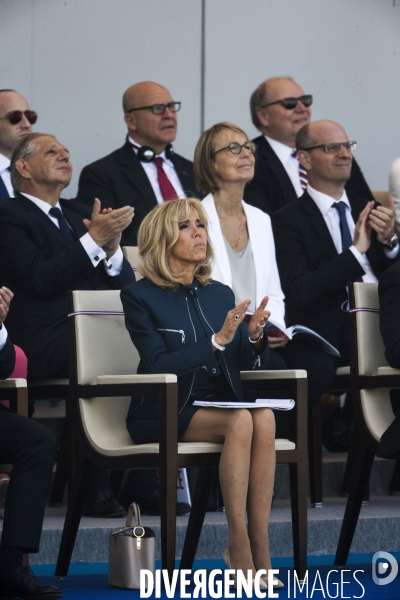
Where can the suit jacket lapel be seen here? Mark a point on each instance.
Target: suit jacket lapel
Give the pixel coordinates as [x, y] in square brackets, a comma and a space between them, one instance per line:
[136, 175]
[184, 177]
[318, 223]
[273, 163]
[74, 219]
[38, 214]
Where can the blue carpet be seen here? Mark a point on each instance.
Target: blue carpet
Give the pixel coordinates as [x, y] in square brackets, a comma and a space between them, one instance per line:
[89, 581]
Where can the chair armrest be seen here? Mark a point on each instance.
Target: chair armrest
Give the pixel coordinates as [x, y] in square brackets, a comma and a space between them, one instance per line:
[49, 382]
[388, 371]
[13, 383]
[287, 374]
[126, 379]
[343, 371]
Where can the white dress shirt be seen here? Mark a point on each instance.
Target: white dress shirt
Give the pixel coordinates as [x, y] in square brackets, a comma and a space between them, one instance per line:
[5, 174]
[151, 172]
[96, 254]
[289, 162]
[332, 220]
[3, 337]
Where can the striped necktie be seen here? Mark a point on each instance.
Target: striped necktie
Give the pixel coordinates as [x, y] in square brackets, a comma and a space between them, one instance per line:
[302, 172]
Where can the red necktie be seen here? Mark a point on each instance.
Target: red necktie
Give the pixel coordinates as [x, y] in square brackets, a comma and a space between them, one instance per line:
[167, 189]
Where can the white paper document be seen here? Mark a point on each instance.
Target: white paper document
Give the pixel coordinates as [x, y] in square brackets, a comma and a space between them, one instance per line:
[278, 404]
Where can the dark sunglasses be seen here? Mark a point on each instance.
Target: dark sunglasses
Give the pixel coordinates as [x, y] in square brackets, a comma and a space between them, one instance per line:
[159, 109]
[236, 148]
[16, 116]
[290, 103]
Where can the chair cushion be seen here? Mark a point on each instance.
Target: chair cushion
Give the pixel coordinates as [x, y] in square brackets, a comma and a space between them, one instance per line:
[377, 410]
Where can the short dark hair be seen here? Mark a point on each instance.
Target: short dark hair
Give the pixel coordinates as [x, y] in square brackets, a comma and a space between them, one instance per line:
[1, 91]
[25, 149]
[304, 139]
[257, 100]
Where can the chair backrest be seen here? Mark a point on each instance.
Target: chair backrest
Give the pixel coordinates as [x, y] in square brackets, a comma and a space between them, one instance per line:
[103, 344]
[377, 410]
[381, 196]
[370, 347]
[131, 254]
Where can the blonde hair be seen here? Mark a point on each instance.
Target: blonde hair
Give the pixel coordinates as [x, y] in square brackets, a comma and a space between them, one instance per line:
[205, 177]
[157, 237]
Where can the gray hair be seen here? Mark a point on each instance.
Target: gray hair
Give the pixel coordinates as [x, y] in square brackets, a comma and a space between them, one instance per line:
[257, 100]
[24, 150]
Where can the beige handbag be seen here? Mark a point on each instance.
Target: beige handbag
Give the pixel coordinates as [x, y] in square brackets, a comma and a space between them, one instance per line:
[130, 549]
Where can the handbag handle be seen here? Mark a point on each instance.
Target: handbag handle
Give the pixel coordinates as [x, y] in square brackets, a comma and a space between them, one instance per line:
[134, 508]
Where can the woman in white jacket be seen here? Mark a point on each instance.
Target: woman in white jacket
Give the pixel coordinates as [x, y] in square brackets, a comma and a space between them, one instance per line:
[244, 248]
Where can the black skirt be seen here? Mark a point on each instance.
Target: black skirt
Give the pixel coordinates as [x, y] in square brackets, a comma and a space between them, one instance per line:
[147, 431]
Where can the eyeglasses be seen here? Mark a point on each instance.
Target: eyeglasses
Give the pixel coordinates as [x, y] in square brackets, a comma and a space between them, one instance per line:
[333, 147]
[159, 109]
[16, 116]
[236, 148]
[290, 103]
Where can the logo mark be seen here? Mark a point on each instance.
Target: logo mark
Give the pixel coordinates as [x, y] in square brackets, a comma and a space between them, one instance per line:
[384, 564]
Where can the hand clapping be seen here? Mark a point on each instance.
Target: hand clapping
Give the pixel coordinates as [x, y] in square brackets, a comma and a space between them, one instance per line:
[6, 296]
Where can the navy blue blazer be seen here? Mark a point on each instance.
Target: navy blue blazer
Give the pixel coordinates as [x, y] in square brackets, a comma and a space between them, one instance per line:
[7, 360]
[160, 327]
[39, 265]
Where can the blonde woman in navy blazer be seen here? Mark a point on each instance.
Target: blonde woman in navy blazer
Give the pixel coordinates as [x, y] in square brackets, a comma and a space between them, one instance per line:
[183, 322]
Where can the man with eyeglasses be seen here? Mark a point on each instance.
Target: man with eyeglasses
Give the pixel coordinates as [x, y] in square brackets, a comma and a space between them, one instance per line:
[279, 108]
[16, 120]
[325, 239]
[145, 171]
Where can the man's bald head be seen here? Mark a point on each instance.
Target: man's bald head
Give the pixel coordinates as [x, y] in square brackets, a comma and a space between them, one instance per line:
[145, 127]
[276, 121]
[10, 134]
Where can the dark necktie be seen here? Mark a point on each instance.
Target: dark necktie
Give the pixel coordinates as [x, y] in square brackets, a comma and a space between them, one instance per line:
[3, 190]
[167, 189]
[347, 240]
[62, 222]
[302, 172]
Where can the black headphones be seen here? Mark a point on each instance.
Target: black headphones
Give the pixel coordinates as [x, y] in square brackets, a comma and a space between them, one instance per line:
[147, 154]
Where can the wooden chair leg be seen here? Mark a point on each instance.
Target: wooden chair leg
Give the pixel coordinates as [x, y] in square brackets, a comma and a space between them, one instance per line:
[298, 494]
[73, 517]
[351, 465]
[315, 454]
[204, 483]
[60, 477]
[25, 560]
[362, 464]
[395, 481]
[168, 478]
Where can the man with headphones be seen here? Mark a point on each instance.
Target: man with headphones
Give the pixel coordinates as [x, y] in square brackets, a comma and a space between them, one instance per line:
[145, 171]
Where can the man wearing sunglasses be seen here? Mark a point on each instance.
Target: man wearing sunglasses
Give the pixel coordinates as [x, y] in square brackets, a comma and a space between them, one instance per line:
[279, 108]
[145, 171]
[326, 239]
[16, 120]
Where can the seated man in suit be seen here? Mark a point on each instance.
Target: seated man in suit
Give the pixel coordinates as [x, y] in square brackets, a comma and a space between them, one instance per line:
[30, 448]
[16, 120]
[279, 108]
[145, 171]
[49, 246]
[324, 239]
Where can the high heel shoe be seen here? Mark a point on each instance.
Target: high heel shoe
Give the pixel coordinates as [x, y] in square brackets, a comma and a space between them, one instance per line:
[227, 561]
[277, 583]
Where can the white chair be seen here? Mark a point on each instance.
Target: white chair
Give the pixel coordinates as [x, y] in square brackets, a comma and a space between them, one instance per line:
[131, 254]
[103, 361]
[371, 381]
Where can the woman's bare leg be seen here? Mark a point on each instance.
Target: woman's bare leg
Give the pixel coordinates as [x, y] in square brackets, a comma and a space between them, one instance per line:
[261, 482]
[236, 428]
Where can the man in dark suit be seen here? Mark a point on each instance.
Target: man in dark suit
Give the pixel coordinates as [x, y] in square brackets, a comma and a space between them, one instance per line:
[145, 171]
[324, 239]
[49, 246]
[30, 448]
[279, 108]
[16, 120]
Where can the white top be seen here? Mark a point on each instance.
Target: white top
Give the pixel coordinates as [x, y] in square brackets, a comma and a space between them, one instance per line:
[243, 274]
[394, 188]
[151, 172]
[289, 162]
[5, 174]
[332, 220]
[263, 249]
[96, 254]
[3, 337]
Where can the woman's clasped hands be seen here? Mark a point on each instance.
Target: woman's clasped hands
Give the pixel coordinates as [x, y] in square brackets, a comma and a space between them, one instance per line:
[235, 317]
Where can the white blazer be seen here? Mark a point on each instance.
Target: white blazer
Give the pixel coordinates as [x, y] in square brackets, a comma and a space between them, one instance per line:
[263, 248]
